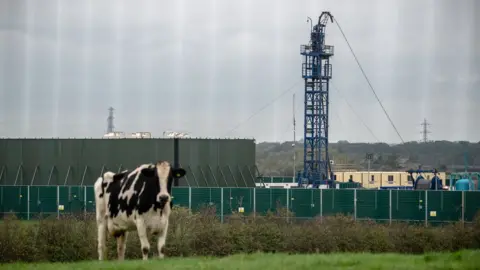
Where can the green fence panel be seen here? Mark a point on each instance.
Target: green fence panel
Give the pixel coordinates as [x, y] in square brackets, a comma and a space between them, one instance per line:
[373, 204]
[63, 200]
[408, 206]
[317, 203]
[15, 200]
[263, 200]
[328, 202]
[343, 185]
[265, 179]
[270, 199]
[472, 205]
[281, 179]
[90, 204]
[444, 206]
[337, 201]
[43, 201]
[181, 196]
[235, 199]
[275, 179]
[206, 197]
[304, 203]
[77, 199]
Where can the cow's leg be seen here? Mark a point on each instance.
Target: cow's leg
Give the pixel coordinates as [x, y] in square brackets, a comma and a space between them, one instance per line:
[161, 240]
[142, 235]
[102, 232]
[122, 245]
[102, 237]
[101, 217]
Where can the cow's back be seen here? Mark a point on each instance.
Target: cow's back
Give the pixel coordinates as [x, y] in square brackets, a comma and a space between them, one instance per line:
[133, 194]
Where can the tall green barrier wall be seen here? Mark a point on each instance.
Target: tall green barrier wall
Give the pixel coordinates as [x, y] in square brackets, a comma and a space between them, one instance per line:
[208, 162]
[28, 202]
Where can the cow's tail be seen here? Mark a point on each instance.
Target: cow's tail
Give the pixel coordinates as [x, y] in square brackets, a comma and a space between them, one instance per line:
[101, 212]
[99, 197]
[99, 189]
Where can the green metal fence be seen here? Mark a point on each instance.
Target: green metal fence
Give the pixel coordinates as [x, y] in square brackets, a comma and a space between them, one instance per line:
[27, 202]
[275, 179]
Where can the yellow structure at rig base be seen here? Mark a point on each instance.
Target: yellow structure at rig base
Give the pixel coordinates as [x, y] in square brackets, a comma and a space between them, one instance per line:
[383, 178]
[372, 179]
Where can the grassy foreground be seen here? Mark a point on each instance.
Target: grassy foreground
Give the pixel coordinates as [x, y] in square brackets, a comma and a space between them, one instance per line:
[460, 260]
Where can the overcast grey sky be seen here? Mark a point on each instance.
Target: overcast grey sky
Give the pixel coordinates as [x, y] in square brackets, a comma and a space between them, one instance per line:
[206, 66]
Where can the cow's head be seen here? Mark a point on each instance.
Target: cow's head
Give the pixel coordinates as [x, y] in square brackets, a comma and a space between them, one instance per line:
[166, 176]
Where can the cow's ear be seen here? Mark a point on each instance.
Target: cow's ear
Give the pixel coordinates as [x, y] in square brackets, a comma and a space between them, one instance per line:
[148, 172]
[178, 173]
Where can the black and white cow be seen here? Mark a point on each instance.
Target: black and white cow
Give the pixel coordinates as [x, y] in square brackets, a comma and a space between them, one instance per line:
[135, 200]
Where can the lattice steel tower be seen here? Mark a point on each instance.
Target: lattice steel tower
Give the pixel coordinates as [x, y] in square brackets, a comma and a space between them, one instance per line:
[425, 130]
[110, 125]
[317, 72]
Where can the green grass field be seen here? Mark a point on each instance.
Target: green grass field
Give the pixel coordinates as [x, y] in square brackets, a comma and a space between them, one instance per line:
[460, 260]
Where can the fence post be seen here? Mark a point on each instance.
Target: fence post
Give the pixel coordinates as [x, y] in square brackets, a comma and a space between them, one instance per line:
[355, 204]
[390, 206]
[463, 207]
[190, 198]
[288, 201]
[426, 208]
[221, 205]
[85, 201]
[28, 202]
[321, 205]
[254, 202]
[288, 206]
[58, 201]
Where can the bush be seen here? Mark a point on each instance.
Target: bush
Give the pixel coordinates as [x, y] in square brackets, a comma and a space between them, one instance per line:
[74, 238]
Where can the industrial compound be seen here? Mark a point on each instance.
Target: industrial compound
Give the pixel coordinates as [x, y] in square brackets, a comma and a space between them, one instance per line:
[222, 172]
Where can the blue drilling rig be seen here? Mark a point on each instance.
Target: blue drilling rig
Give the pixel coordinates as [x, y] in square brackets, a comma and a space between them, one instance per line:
[317, 72]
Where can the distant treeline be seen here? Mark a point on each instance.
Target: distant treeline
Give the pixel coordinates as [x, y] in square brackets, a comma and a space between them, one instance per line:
[277, 158]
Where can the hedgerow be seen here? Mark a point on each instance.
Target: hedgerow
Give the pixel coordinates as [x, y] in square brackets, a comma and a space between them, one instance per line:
[74, 238]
